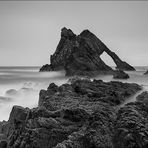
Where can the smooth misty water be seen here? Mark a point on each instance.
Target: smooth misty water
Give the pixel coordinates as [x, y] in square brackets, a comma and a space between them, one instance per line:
[21, 85]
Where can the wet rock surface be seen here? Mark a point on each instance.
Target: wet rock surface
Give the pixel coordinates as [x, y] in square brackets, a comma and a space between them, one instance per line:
[78, 114]
[80, 55]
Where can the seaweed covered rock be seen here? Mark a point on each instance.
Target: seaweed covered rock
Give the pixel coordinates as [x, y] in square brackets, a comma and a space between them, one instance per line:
[80, 55]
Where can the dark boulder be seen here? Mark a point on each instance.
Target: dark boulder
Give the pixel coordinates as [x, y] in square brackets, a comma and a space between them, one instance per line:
[80, 55]
[146, 72]
[18, 113]
[120, 74]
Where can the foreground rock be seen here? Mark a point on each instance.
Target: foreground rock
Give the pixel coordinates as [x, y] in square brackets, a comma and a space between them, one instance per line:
[119, 74]
[143, 97]
[76, 115]
[80, 55]
[131, 130]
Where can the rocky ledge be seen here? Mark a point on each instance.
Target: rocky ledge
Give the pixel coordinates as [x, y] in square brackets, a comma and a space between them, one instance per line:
[79, 114]
[80, 55]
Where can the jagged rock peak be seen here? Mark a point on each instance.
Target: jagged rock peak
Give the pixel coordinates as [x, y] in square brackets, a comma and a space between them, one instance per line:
[86, 33]
[67, 32]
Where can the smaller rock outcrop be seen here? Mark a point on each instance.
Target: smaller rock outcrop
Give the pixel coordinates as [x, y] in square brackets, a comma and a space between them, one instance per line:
[146, 73]
[119, 74]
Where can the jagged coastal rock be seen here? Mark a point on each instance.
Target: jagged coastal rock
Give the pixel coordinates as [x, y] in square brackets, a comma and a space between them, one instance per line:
[131, 126]
[83, 113]
[120, 74]
[80, 55]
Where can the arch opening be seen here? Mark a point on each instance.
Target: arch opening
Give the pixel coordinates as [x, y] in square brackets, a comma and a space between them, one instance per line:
[108, 60]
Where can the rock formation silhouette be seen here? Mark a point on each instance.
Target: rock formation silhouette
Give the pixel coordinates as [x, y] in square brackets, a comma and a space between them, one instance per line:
[80, 55]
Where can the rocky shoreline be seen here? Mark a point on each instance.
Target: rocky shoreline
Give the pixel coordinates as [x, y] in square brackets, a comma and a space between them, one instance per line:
[80, 114]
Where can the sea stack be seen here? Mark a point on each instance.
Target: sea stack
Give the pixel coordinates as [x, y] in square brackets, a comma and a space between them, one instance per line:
[80, 55]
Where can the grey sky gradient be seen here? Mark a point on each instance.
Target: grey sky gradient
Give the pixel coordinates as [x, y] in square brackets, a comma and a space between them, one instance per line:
[30, 31]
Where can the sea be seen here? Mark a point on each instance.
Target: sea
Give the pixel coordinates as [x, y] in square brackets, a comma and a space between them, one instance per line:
[21, 85]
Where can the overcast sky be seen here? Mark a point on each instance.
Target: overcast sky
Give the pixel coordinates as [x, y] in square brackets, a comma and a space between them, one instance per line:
[30, 31]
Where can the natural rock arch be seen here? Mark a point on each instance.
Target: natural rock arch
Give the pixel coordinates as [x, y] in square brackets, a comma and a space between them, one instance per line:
[80, 55]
